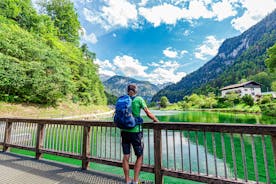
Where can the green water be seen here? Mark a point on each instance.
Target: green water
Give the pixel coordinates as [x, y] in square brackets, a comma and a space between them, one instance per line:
[210, 117]
[213, 117]
[218, 117]
[181, 139]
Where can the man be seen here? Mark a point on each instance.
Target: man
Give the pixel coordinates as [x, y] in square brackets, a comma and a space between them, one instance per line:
[134, 136]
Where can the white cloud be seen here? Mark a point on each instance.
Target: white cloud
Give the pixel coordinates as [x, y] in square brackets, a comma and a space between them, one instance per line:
[183, 52]
[165, 13]
[91, 38]
[162, 75]
[105, 67]
[123, 13]
[223, 9]
[197, 9]
[255, 11]
[129, 66]
[113, 13]
[83, 1]
[114, 35]
[95, 18]
[208, 48]
[172, 53]
[143, 2]
[186, 33]
[163, 71]
[119, 12]
[168, 52]
[170, 14]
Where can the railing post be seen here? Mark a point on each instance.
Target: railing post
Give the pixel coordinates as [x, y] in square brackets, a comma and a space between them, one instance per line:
[7, 137]
[157, 155]
[86, 147]
[39, 141]
[273, 139]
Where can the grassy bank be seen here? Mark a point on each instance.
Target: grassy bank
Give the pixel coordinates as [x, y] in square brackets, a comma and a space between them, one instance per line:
[243, 108]
[39, 111]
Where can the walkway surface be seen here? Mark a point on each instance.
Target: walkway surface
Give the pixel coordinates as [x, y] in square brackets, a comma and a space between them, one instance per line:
[15, 169]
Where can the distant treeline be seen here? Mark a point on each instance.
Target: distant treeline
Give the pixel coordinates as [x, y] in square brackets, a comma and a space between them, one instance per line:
[41, 60]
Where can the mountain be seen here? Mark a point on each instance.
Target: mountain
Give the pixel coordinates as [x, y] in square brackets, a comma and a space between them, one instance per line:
[117, 85]
[162, 86]
[237, 58]
[104, 77]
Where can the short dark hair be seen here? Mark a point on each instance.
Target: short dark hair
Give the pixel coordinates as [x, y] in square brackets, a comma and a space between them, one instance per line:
[132, 87]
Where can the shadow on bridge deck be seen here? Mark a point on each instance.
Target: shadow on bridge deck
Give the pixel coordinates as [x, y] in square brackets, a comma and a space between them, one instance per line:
[17, 169]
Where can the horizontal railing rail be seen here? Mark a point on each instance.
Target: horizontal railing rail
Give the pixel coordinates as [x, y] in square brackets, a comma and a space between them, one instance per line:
[205, 152]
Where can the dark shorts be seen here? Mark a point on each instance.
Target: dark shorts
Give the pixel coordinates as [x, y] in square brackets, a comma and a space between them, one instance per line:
[134, 139]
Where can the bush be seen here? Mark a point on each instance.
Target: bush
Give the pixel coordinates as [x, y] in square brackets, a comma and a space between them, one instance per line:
[164, 102]
[248, 100]
[269, 109]
[266, 99]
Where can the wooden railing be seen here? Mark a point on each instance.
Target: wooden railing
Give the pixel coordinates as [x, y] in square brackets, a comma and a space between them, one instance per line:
[211, 153]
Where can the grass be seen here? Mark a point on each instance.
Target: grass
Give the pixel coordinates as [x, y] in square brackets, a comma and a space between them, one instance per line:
[40, 111]
[238, 108]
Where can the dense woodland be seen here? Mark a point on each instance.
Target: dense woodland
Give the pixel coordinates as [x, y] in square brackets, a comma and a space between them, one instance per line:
[41, 60]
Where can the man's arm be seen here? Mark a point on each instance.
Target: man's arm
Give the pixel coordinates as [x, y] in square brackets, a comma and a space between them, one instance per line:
[150, 115]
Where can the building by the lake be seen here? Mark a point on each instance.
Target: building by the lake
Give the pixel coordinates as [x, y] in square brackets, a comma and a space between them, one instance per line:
[247, 88]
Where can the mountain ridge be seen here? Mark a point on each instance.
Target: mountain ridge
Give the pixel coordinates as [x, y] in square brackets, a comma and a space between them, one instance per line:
[116, 85]
[228, 54]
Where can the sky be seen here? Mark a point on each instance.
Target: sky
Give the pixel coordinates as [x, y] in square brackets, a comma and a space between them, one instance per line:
[162, 41]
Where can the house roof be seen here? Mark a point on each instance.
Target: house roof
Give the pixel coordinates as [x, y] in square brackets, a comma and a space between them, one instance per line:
[239, 85]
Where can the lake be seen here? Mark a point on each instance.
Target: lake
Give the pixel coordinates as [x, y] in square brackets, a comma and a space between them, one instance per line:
[105, 143]
[210, 117]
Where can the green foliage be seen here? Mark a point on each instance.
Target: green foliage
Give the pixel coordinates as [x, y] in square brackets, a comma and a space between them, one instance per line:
[211, 101]
[248, 100]
[273, 86]
[271, 60]
[111, 99]
[264, 79]
[266, 99]
[30, 70]
[65, 18]
[37, 67]
[269, 109]
[164, 102]
[22, 12]
[199, 101]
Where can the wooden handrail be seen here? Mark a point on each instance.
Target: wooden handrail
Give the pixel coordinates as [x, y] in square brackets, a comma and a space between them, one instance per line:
[85, 154]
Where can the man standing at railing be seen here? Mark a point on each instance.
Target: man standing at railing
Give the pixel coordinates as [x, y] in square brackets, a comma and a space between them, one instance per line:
[134, 136]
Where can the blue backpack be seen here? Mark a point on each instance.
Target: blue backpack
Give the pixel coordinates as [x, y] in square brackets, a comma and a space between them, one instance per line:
[123, 117]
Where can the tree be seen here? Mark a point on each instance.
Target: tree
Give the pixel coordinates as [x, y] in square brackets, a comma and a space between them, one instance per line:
[248, 100]
[211, 101]
[164, 102]
[273, 86]
[233, 98]
[65, 18]
[271, 60]
[264, 79]
[88, 54]
[271, 64]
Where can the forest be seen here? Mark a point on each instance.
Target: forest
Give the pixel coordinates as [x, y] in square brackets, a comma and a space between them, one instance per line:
[41, 59]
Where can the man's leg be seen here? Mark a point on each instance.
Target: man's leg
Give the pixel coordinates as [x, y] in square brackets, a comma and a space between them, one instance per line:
[126, 168]
[138, 146]
[137, 168]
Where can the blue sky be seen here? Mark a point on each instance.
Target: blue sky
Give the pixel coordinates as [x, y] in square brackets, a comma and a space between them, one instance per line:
[162, 40]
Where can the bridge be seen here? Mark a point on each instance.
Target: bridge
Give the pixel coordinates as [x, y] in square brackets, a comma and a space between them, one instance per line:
[208, 153]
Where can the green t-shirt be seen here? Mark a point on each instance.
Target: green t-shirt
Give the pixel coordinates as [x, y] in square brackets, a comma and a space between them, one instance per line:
[137, 104]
